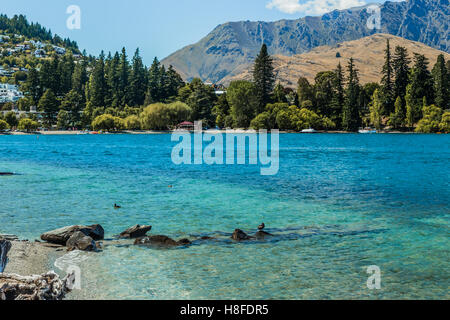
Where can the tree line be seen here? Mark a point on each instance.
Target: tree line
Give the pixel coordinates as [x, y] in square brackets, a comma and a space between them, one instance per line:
[410, 96]
[19, 24]
[113, 93]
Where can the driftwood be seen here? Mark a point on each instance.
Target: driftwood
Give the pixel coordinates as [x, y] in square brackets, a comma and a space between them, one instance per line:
[5, 246]
[48, 286]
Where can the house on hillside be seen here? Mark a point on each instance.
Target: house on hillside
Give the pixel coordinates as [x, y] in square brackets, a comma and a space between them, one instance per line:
[9, 93]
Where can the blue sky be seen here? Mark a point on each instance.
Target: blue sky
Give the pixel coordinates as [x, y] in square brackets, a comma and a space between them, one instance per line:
[158, 27]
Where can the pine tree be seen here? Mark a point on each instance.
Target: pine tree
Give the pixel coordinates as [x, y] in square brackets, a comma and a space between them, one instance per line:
[386, 82]
[97, 89]
[49, 104]
[33, 85]
[441, 85]
[66, 69]
[124, 73]
[263, 77]
[113, 81]
[138, 81]
[401, 72]
[80, 79]
[351, 119]
[153, 91]
[338, 96]
[421, 81]
[324, 93]
[73, 104]
[175, 82]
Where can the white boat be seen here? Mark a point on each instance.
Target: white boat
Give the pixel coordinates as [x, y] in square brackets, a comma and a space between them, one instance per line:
[367, 131]
[309, 131]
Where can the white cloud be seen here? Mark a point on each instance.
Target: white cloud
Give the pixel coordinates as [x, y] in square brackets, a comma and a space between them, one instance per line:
[313, 7]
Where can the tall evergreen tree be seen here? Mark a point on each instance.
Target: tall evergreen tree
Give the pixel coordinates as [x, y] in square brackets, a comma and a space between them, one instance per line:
[80, 78]
[113, 81]
[73, 105]
[338, 99]
[401, 69]
[351, 119]
[138, 81]
[175, 82]
[386, 82]
[324, 93]
[33, 86]
[124, 73]
[97, 89]
[154, 83]
[49, 104]
[65, 69]
[263, 77]
[441, 85]
[421, 82]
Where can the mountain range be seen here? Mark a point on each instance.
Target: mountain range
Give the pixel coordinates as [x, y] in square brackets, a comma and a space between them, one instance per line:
[231, 47]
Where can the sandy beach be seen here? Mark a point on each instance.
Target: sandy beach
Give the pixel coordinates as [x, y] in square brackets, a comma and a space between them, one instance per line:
[32, 258]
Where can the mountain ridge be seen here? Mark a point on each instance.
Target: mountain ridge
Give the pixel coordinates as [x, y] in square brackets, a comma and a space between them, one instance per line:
[230, 47]
[367, 52]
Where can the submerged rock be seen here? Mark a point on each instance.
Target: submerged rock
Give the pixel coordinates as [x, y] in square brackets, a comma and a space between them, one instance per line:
[44, 287]
[80, 241]
[5, 246]
[60, 236]
[240, 235]
[135, 232]
[161, 241]
[6, 174]
[262, 234]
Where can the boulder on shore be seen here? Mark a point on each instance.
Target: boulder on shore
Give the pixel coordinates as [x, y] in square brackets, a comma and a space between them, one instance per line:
[135, 232]
[5, 246]
[239, 235]
[48, 286]
[80, 241]
[60, 236]
[161, 241]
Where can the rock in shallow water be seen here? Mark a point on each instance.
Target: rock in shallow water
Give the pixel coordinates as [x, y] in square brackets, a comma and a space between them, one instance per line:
[80, 241]
[262, 234]
[44, 287]
[60, 236]
[240, 235]
[135, 232]
[161, 241]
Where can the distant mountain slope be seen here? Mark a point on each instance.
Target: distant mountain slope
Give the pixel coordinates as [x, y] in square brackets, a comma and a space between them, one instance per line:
[230, 47]
[368, 53]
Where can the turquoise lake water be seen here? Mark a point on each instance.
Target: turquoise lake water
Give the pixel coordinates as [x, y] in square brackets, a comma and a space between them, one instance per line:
[339, 204]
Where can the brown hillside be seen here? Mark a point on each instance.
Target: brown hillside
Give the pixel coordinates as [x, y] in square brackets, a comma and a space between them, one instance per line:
[367, 52]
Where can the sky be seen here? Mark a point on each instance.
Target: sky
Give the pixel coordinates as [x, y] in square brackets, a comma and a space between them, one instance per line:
[158, 27]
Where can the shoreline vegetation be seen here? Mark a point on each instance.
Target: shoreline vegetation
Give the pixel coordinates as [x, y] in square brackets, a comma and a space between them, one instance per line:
[112, 92]
[161, 132]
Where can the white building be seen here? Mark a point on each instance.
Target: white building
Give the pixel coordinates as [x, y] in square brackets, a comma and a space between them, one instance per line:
[9, 93]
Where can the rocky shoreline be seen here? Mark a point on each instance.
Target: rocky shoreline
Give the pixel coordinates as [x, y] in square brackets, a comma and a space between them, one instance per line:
[25, 265]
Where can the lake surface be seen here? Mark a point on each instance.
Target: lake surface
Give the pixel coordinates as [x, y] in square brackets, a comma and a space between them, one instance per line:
[339, 204]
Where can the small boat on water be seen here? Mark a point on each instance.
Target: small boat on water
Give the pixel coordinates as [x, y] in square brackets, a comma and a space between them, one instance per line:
[310, 130]
[367, 131]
